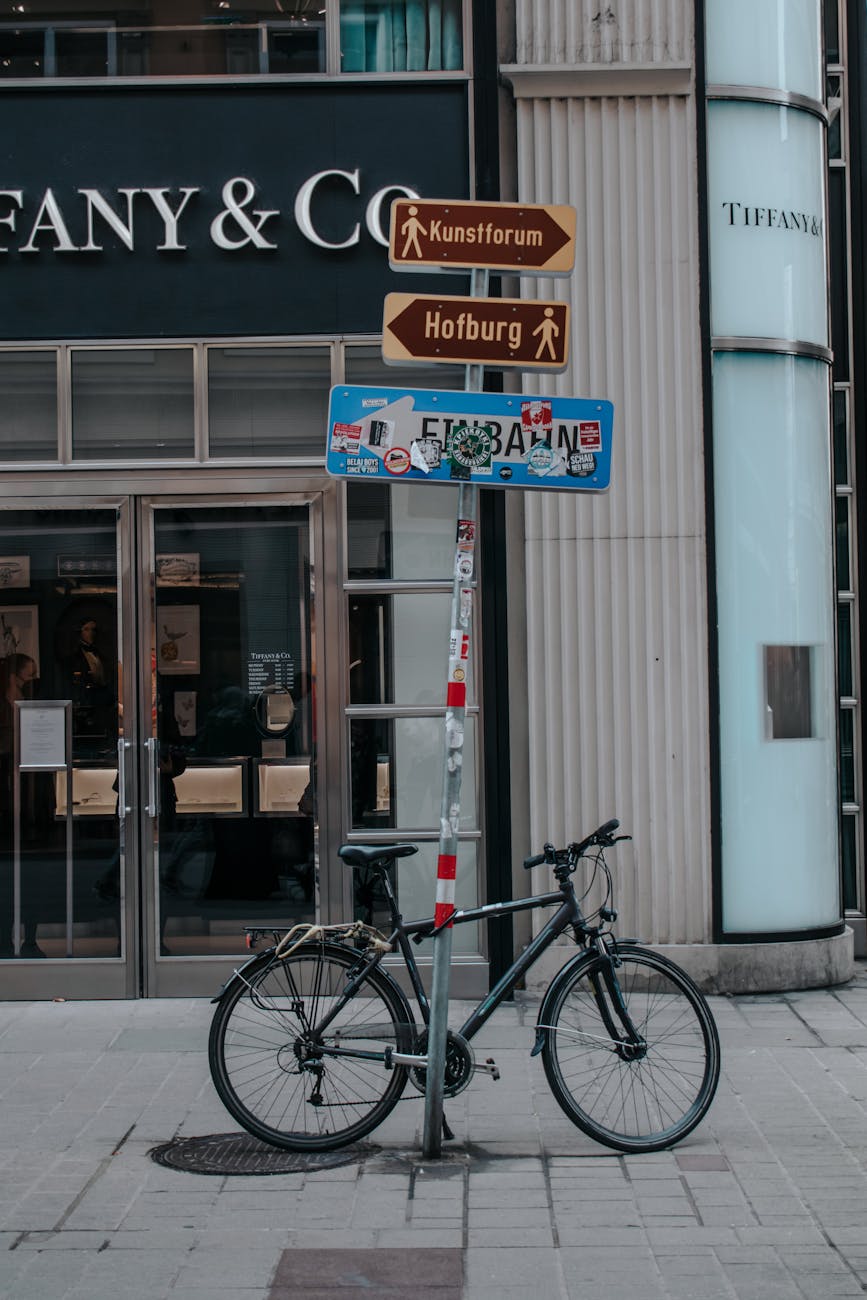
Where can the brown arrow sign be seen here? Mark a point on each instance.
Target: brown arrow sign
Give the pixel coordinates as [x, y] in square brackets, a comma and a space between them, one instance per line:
[476, 331]
[524, 238]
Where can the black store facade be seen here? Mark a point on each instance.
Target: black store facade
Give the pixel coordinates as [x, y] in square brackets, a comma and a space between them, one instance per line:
[236, 659]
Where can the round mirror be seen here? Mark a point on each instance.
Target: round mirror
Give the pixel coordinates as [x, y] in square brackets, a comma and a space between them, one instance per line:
[274, 710]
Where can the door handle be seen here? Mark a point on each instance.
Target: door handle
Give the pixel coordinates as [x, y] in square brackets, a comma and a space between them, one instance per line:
[152, 747]
[122, 806]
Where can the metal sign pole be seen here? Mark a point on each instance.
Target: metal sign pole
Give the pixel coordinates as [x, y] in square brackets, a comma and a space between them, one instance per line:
[456, 696]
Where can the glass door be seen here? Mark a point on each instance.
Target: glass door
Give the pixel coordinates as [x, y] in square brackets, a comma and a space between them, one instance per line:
[65, 928]
[228, 718]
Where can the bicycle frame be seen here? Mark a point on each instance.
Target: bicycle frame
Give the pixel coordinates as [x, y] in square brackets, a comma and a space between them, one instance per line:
[567, 916]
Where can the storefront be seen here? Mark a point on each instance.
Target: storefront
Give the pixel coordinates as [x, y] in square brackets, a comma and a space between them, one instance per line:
[242, 656]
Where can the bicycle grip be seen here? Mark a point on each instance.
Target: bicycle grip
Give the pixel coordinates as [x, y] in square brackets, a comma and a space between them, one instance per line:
[535, 861]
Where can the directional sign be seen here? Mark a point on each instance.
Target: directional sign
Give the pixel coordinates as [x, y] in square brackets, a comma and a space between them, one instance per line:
[494, 439]
[455, 235]
[476, 331]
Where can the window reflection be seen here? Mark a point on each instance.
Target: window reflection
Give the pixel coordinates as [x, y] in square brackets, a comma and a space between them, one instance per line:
[132, 403]
[28, 406]
[401, 531]
[55, 38]
[398, 648]
[268, 401]
[396, 771]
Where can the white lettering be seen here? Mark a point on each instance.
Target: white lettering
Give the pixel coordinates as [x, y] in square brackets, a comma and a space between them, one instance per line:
[17, 198]
[238, 225]
[96, 203]
[49, 217]
[236, 202]
[302, 208]
[170, 219]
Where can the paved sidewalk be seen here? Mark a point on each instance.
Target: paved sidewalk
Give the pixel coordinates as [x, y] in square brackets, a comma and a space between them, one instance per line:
[768, 1198]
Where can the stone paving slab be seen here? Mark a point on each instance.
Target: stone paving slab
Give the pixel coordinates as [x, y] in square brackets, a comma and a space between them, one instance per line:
[767, 1199]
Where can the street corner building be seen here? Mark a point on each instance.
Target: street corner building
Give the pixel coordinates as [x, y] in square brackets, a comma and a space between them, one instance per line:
[218, 662]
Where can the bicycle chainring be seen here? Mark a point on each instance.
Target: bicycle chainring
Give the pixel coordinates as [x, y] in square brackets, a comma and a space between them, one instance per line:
[460, 1064]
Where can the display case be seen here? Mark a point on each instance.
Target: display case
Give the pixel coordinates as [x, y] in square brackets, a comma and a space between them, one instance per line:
[279, 786]
[94, 792]
[217, 787]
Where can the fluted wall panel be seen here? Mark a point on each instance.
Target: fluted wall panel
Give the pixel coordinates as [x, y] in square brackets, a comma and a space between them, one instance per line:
[593, 31]
[616, 585]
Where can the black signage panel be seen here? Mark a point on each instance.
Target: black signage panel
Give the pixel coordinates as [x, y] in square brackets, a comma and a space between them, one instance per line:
[130, 213]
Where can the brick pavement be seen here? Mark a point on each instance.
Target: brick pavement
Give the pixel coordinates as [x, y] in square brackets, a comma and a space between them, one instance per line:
[768, 1198]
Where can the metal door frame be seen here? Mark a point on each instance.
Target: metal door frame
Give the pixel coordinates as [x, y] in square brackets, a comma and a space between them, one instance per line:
[196, 976]
[88, 977]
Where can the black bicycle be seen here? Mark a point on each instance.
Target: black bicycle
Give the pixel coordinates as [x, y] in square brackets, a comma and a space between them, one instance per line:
[313, 1042]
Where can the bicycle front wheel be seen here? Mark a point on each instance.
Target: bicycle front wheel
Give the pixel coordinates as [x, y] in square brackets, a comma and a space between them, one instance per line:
[287, 1047]
[633, 1098]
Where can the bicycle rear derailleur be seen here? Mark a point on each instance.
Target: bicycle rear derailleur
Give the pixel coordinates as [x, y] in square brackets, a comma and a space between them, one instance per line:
[460, 1065]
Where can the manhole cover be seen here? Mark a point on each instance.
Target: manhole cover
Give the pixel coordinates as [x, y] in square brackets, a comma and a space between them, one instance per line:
[239, 1153]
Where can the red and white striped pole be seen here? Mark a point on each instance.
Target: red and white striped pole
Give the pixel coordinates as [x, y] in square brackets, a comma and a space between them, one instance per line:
[450, 810]
[447, 861]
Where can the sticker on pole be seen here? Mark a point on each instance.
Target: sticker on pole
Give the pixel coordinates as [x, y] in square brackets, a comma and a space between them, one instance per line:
[492, 439]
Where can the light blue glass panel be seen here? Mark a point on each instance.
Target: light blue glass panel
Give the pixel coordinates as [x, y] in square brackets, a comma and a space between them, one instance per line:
[776, 44]
[774, 588]
[766, 215]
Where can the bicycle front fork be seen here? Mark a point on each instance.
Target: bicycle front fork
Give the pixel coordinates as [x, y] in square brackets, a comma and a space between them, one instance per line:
[631, 1046]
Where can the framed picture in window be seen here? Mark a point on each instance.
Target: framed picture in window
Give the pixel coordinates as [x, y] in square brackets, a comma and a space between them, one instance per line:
[14, 571]
[178, 569]
[178, 639]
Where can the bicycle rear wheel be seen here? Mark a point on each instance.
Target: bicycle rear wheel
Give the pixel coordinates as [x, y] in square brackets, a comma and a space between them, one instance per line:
[272, 1067]
[633, 1099]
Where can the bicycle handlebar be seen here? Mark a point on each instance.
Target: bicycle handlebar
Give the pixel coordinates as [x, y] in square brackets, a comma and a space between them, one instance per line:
[603, 836]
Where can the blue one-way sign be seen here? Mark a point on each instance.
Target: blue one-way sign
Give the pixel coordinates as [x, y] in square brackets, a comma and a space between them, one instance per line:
[493, 439]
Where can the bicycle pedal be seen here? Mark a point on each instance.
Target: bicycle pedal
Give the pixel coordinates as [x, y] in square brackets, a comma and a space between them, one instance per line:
[489, 1066]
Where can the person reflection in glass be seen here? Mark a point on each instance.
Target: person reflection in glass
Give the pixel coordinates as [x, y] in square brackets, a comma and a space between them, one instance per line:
[90, 684]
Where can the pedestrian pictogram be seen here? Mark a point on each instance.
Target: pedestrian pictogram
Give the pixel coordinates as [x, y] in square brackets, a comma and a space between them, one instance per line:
[455, 235]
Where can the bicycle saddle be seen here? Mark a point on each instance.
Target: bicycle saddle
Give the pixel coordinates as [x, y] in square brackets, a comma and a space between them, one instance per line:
[371, 855]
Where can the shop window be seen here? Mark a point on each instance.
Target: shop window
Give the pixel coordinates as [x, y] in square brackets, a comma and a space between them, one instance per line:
[132, 404]
[788, 681]
[233, 38]
[396, 773]
[401, 531]
[365, 366]
[847, 756]
[28, 406]
[394, 641]
[393, 36]
[268, 401]
[850, 862]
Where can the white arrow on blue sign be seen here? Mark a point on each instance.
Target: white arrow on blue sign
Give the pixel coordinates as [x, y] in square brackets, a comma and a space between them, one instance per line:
[493, 439]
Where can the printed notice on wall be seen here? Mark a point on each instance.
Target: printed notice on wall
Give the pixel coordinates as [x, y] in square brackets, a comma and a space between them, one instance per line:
[270, 668]
[42, 735]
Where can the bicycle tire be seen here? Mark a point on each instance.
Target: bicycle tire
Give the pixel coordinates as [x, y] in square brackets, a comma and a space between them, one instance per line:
[264, 1015]
[649, 1102]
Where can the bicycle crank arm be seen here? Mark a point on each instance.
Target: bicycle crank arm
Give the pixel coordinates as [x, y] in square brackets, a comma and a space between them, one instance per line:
[393, 1058]
[487, 1067]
